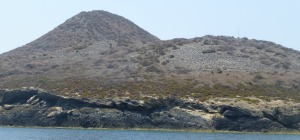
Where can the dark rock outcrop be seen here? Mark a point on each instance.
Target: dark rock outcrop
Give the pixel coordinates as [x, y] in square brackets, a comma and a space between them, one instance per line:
[33, 107]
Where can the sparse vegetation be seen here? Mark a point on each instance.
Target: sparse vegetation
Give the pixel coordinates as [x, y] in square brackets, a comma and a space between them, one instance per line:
[182, 70]
[153, 69]
[285, 65]
[79, 47]
[226, 48]
[209, 51]
[123, 60]
[282, 54]
[270, 50]
[165, 62]
[219, 70]
[257, 77]
[166, 88]
[112, 66]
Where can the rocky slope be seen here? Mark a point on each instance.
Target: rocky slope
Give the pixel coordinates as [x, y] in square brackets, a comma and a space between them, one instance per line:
[115, 74]
[87, 41]
[31, 107]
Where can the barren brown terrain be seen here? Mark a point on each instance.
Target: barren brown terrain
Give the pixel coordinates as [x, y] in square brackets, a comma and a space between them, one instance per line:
[101, 55]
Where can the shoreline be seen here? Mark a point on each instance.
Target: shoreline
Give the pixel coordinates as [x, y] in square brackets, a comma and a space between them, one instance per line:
[37, 109]
[162, 130]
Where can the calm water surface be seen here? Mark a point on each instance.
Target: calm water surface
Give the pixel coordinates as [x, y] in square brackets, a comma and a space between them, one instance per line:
[80, 134]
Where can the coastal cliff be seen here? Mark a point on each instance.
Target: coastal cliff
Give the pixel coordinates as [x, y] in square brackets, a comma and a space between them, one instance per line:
[33, 107]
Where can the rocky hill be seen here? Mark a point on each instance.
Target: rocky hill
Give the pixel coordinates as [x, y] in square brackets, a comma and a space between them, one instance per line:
[101, 55]
[83, 42]
[98, 69]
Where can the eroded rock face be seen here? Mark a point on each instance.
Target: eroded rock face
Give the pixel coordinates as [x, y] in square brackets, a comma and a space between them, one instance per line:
[37, 108]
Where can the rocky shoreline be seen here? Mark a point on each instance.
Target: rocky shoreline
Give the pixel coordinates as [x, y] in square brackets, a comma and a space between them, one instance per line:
[32, 107]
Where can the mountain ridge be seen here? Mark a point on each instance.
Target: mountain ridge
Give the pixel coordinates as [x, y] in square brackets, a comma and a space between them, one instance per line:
[97, 53]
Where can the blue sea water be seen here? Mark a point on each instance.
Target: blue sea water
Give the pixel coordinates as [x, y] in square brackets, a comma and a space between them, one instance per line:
[7, 133]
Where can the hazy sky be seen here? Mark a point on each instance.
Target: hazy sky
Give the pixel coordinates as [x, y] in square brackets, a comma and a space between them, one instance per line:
[23, 21]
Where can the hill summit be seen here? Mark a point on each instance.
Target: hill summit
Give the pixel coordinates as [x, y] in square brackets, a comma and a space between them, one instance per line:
[102, 55]
[87, 28]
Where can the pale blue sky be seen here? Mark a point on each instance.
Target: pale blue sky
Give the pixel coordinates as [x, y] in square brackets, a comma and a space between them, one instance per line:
[23, 21]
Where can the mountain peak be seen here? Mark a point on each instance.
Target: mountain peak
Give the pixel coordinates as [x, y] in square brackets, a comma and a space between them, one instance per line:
[86, 28]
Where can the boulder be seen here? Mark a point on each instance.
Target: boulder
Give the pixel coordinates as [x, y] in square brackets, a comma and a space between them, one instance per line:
[287, 116]
[55, 111]
[8, 107]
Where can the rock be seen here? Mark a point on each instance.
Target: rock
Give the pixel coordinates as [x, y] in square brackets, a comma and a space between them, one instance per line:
[196, 106]
[8, 107]
[233, 114]
[246, 124]
[236, 112]
[59, 109]
[286, 116]
[56, 111]
[17, 96]
[134, 105]
[31, 99]
[121, 105]
[43, 103]
[170, 113]
[178, 119]
[35, 101]
[73, 112]
[107, 103]
[129, 105]
[52, 114]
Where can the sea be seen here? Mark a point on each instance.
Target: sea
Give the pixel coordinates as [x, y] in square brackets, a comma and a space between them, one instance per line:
[12, 133]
